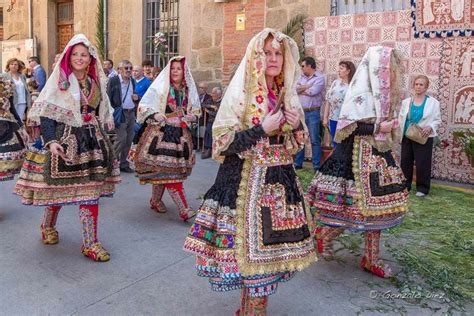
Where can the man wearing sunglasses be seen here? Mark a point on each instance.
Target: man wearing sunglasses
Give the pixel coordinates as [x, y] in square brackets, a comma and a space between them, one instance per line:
[310, 89]
[121, 92]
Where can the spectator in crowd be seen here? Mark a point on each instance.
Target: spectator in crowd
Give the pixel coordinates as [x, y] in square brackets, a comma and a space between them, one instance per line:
[37, 72]
[121, 92]
[142, 83]
[156, 72]
[21, 95]
[310, 89]
[335, 96]
[148, 69]
[210, 111]
[109, 70]
[423, 112]
[205, 99]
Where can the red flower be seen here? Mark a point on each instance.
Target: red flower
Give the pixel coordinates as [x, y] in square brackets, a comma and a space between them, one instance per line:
[255, 120]
[259, 99]
[183, 124]
[87, 117]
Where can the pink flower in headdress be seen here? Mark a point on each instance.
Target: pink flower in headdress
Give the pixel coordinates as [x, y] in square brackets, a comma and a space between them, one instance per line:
[259, 99]
[259, 65]
[255, 120]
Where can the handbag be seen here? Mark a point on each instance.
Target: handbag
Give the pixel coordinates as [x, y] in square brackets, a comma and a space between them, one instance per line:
[119, 117]
[415, 132]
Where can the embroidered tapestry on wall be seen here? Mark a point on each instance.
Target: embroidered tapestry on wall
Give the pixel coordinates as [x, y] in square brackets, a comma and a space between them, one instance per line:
[456, 95]
[442, 18]
[347, 37]
[331, 39]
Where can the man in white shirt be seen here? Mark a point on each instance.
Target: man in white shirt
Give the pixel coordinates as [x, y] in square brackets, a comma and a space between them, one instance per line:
[121, 92]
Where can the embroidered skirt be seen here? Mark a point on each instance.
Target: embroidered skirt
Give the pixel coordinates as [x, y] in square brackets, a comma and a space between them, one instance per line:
[164, 154]
[89, 172]
[253, 229]
[364, 193]
[12, 150]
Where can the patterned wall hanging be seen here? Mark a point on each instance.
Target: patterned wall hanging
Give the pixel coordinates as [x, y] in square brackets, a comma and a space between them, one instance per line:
[456, 95]
[442, 18]
[347, 37]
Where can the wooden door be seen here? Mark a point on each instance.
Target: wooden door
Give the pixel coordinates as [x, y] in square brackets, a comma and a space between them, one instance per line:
[65, 23]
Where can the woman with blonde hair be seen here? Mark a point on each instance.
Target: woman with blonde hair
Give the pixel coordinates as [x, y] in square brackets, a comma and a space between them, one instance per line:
[419, 117]
[253, 230]
[21, 96]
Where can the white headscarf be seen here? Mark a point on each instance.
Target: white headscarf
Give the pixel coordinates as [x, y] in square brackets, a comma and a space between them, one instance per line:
[245, 102]
[156, 97]
[60, 99]
[372, 96]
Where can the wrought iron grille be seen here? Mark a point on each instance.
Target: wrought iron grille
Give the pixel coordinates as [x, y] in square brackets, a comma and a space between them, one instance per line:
[162, 16]
[340, 7]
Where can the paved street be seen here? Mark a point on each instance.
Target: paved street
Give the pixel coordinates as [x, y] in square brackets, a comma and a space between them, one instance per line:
[149, 273]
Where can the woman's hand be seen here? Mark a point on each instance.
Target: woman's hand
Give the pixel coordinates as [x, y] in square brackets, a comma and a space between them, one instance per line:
[271, 122]
[58, 150]
[190, 118]
[24, 135]
[158, 117]
[293, 117]
[426, 131]
[386, 126]
[110, 125]
[325, 122]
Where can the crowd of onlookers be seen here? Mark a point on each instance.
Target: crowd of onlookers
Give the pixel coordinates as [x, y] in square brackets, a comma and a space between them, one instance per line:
[127, 83]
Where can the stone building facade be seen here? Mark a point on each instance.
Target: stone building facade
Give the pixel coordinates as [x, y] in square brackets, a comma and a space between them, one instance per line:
[207, 29]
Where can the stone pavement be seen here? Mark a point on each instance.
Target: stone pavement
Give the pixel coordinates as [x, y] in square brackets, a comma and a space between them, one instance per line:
[149, 273]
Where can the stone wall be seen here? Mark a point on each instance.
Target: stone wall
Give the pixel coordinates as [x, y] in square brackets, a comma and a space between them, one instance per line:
[204, 40]
[212, 27]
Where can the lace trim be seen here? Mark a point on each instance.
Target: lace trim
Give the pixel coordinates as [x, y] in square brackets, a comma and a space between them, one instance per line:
[223, 138]
[345, 132]
[56, 113]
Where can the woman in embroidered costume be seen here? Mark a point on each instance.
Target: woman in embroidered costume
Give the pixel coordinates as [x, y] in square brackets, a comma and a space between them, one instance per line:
[77, 165]
[164, 155]
[253, 230]
[12, 135]
[361, 187]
